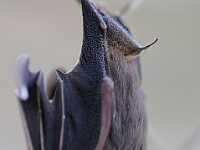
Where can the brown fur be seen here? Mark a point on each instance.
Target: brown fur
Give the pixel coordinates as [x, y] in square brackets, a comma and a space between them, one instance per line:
[128, 129]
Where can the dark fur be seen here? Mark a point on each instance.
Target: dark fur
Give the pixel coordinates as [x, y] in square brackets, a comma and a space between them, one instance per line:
[128, 129]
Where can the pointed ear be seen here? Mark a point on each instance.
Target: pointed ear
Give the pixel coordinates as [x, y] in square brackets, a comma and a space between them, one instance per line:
[106, 111]
[92, 58]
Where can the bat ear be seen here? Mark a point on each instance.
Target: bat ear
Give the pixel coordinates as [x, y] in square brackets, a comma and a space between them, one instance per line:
[92, 59]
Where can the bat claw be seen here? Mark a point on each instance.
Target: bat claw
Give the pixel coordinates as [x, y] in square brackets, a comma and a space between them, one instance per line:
[149, 45]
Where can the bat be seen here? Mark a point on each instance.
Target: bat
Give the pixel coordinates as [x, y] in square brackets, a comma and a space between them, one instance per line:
[99, 105]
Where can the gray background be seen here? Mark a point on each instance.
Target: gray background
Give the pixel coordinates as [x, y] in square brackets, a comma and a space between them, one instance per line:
[50, 32]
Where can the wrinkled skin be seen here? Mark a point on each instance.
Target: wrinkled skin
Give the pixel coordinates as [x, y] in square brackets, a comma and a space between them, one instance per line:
[99, 105]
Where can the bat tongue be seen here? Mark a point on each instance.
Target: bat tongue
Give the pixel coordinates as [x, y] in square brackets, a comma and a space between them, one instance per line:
[92, 58]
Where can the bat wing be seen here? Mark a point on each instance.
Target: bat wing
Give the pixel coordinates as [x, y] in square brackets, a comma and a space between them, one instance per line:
[30, 104]
[85, 90]
[78, 114]
[41, 116]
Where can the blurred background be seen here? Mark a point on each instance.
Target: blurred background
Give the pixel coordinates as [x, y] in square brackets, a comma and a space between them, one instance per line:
[50, 32]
